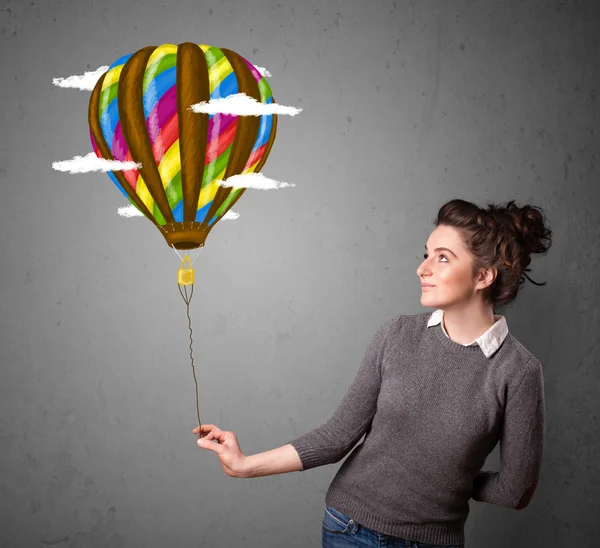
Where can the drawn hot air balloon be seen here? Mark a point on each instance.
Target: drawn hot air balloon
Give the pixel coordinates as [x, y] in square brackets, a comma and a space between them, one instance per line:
[140, 111]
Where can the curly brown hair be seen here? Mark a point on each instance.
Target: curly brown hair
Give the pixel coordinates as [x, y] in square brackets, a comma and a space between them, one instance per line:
[501, 237]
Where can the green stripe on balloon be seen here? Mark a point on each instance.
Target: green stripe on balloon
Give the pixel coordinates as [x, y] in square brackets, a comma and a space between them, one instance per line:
[173, 190]
[213, 56]
[108, 95]
[265, 89]
[223, 207]
[216, 167]
[160, 65]
[158, 215]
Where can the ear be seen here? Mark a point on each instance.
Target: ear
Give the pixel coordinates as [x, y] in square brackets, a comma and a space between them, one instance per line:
[487, 276]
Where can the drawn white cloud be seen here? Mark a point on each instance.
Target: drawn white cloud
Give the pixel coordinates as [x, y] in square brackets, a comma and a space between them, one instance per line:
[86, 81]
[253, 180]
[264, 72]
[249, 180]
[91, 162]
[129, 211]
[242, 105]
[132, 211]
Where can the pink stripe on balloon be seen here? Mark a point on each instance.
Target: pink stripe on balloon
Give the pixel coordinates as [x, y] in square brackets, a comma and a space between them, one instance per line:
[162, 112]
[218, 124]
[219, 127]
[119, 146]
[224, 140]
[257, 75]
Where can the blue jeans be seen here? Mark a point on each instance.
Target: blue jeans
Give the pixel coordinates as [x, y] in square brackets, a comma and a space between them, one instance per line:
[340, 531]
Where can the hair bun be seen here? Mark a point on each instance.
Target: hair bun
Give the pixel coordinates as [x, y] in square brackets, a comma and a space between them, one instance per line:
[502, 237]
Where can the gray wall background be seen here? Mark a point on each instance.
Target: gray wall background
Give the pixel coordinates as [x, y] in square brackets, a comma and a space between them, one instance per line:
[406, 105]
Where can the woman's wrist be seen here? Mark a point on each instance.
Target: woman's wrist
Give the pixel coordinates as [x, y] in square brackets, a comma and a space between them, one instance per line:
[244, 468]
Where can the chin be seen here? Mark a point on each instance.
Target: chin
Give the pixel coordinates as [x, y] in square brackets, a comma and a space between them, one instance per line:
[431, 301]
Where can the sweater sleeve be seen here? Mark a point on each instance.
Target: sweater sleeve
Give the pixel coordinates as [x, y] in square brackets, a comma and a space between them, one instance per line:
[521, 445]
[331, 441]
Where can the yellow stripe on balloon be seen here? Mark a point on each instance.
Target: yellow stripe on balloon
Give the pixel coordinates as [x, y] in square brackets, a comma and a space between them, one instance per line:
[142, 191]
[251, 168]
[207, 194]
[112, 76]
[204, 47]
[170, 164]
[160, 51]
[218, 72]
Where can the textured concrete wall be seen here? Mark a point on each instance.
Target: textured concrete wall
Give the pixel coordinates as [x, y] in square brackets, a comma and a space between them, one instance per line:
[406, 105]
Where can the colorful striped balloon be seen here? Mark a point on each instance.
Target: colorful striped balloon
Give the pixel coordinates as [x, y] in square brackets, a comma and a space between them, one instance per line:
[140, 111]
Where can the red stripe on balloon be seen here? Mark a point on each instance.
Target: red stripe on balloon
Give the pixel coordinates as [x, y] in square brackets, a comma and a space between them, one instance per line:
[255, 156]
[94, 145]
[224, 140]
[131, 174]
[165, 139]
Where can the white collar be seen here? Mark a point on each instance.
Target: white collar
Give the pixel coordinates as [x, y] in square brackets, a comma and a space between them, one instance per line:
[489, 342]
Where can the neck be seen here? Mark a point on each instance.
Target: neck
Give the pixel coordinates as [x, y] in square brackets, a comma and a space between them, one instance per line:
[466, 324]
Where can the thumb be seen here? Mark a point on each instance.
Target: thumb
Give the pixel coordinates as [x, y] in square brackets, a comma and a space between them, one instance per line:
[207, 444]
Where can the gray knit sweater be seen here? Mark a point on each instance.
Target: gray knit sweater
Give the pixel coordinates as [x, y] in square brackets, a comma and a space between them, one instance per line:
[432, 410]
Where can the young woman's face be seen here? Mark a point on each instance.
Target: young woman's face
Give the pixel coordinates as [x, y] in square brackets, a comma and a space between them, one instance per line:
[448, 270]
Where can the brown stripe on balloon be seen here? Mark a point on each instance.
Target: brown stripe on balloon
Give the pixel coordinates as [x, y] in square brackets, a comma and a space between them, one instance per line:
[245, 133]
[133, 123]
[193, 86]
[261, 162]
[94, 122]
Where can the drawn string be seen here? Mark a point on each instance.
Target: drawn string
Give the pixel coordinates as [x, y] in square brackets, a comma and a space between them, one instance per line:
[187, 300]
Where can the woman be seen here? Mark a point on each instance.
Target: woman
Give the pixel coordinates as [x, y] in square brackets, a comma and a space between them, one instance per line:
[434, 394]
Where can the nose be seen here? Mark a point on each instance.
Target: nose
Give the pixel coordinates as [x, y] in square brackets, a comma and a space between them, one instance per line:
[422, 271]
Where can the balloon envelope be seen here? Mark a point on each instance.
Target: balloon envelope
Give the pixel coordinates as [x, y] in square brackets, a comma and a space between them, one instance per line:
[140, 111]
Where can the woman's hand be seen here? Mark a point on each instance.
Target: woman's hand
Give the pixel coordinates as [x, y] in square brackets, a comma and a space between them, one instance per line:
[229, 452]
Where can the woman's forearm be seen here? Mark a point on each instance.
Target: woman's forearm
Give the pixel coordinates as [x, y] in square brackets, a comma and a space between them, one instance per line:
[276, 461]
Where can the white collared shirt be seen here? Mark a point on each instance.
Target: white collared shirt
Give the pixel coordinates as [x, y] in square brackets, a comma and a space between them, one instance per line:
[489, 342]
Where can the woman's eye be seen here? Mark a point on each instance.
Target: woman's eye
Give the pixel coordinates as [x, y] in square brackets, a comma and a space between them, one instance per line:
[425, 256]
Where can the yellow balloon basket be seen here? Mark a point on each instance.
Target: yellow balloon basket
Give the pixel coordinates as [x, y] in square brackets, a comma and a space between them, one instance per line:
[185, 275]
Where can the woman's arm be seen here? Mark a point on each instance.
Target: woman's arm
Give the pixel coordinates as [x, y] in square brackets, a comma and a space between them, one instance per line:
[276, 461]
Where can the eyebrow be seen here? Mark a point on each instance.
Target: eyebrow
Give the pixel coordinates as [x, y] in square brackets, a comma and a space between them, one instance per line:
[442, 248]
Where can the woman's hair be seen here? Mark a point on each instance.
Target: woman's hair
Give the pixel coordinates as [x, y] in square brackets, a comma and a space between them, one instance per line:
[501, 237]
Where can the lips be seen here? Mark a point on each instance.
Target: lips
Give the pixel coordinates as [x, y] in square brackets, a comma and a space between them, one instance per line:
[427, 285]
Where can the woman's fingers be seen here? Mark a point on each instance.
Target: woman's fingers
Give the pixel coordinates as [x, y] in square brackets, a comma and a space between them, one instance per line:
[209, 431]
[205, 428]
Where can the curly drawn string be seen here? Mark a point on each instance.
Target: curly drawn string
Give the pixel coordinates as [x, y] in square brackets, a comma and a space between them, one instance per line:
[187, 302]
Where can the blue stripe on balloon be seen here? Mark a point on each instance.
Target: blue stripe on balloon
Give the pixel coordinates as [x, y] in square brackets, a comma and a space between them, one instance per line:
[201, 213]
[178, 212]
[266, 121]
[114, 180]
[109, 120]
[228, 86]
[121, 61]
[264, 130]
[157, 88]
